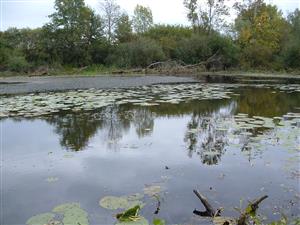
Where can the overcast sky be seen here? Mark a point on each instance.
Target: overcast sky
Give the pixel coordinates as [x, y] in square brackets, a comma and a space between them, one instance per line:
[34, 13]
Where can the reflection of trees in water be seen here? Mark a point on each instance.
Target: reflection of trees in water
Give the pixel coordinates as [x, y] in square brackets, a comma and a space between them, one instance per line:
[266, 102]
[204, 137]
[74, 130]
[143, 120]
[115, 123]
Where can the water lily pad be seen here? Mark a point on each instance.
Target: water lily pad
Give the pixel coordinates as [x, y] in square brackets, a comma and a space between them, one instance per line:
[41, 219]
[112, 202]
[123, 202]
[72, 214]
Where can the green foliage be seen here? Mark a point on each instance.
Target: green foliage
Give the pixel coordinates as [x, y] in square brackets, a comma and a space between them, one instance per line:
[142, 19]
[18, 64]
[77, 37]
[158, 222]
[260, 28]
[208, 15]
[124, 29]
[168, 37]
[194, 49]
[138, 53]
[73, 28]
[226, 48]
[291, 46]
[111, 13]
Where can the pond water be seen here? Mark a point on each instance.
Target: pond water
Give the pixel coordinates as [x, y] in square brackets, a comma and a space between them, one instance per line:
[231, 142]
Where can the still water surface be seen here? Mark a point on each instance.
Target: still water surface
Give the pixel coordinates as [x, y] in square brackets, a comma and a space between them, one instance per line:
[120, 149]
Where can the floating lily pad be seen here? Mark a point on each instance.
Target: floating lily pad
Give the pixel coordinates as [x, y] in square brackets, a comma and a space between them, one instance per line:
[72, 214]
[123, 202]
[41, 219]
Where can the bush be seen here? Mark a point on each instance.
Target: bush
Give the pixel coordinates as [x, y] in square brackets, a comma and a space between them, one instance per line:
[291, 56]
[139, 53]
[226, 48]
[194, 49]
[18, 64]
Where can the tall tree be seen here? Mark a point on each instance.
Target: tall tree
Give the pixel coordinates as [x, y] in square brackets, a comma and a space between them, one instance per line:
[192, 14]
[208, 15]
[291, 45]
[124, 29]
[111, 13]
[142, 19]
[260, 28]
[72, 28]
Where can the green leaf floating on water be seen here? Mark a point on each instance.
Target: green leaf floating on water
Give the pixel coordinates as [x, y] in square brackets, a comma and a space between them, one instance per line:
[40, 219]
[72, 213]
[158, 222]
[123, 202]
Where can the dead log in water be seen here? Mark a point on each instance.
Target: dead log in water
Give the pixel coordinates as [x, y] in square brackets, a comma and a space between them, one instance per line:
[211, 212]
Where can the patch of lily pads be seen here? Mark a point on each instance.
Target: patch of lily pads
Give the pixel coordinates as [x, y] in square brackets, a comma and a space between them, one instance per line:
[34, 105]
[65, 214]
[131, 206]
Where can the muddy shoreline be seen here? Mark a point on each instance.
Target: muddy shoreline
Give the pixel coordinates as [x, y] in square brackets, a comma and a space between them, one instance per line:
[24, 85]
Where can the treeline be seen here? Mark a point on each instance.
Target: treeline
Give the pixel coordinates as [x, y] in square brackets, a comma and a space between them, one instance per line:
[260, 38]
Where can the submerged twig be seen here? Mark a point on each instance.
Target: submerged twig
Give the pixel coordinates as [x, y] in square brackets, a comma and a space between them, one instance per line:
[158, 204]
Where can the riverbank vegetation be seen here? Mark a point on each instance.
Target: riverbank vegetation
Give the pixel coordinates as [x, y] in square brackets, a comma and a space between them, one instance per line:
[80, 40]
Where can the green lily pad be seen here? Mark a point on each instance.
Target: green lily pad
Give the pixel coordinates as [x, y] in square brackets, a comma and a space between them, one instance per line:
[158, 222]
[73, 214]
[41, 219]
[123, 202]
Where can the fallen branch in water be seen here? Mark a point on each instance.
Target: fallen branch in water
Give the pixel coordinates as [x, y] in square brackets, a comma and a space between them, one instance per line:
[250, 210]
[210, 212]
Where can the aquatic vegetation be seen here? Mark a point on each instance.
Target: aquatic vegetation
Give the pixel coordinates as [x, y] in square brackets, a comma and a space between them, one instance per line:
[52, 179]
[41, 219]
[123, 202]
[157, 221]
[152, 190]
[72, 214]
[34, 105]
